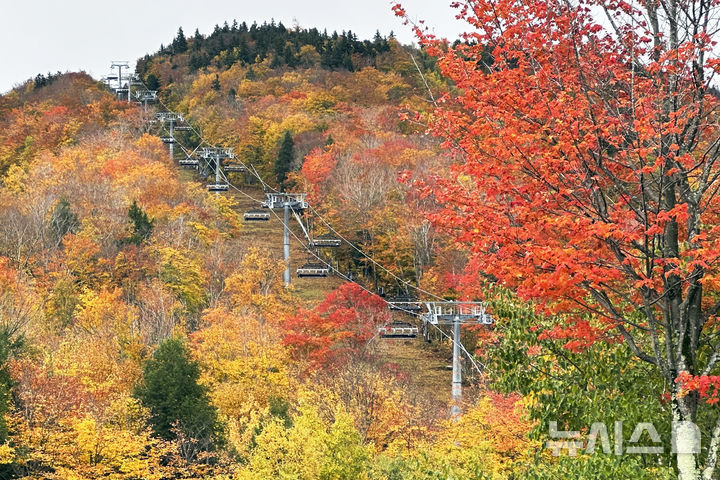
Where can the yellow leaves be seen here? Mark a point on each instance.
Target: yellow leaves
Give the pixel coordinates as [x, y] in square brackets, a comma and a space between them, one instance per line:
[184, 275]
[123, 453]
[243, 362]
[257, 286]
[107, 441]
[104, 310]
[82, 259]
[87, 437]
[203, 233]
[320, 102]
[7, 454]
[15, 178]
[151, 146]
[308, 56]
[226, 208]
[308, 449]
[248, 88]
[490, 436]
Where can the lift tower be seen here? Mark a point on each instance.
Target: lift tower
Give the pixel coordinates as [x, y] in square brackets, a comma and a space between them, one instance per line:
[145, 96]
[456, 314]
[171, 120]
[213, 157]
[290, 203]
[120, 65]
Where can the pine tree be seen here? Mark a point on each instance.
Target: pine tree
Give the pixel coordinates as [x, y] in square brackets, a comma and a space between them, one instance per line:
[216, 83]
[180, 43]
[152, 82]
[179, 406]
[284, 160]
[141, 227]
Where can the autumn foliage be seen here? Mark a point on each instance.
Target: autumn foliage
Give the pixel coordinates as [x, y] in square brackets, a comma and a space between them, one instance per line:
[337, 329]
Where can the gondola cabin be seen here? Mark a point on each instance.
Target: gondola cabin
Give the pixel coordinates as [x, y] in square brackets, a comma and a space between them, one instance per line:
[398, 330]
[167, 139]
[217, 187]
[256, 216]
[313, 270]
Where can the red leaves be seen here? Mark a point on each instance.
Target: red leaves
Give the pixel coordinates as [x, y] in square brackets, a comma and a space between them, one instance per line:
[708, 386]
[566, 156]
[318, 166]
[580, 335]
[337, 328]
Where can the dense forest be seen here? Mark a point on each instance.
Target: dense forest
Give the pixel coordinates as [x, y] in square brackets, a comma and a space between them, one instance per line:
[564, 177]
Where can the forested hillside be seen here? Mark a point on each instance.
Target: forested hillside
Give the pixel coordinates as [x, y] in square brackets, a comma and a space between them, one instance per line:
[563, 177]
[146, 332]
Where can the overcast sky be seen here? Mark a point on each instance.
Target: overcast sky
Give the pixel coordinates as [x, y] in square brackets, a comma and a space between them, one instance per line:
[37, 36]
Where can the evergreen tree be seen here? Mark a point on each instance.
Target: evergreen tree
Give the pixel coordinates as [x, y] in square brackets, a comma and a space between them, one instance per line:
[152, 82]
[40, 80]
[9, 347]
[180, 43]
[216, 83]
[63, 220]
[141, 227]
[179, 406]
[283, 163]
[197, 61]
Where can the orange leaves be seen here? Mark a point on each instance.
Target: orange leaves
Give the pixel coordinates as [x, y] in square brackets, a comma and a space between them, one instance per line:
[318, 166]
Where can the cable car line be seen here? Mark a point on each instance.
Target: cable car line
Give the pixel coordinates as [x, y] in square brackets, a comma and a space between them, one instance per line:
[217, 156]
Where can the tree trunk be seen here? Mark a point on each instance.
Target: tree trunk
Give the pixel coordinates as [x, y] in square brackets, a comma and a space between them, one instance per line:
[685, 441]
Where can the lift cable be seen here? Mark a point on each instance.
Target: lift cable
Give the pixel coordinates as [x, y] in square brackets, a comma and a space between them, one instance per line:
[419, 289]
[309, 250]
[474, 362]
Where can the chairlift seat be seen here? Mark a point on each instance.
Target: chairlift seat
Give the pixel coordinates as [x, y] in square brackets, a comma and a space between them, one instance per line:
[398, 330]
[189, 162]
[313, 270]
[405, 303]
[256, 216]
[326, 241]
[167, 139]
[233, 168]
[217, 187]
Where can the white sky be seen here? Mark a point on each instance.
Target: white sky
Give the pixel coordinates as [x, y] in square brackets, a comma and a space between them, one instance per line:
[37, 36]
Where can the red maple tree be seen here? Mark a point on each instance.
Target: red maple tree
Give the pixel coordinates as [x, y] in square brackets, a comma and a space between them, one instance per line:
[588, 176]
[337, 328]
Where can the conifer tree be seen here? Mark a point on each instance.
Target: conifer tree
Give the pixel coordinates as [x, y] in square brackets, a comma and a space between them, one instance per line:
[179, 406]
[152, 82]
[283, 162]
[142, 226]
[180, 43]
